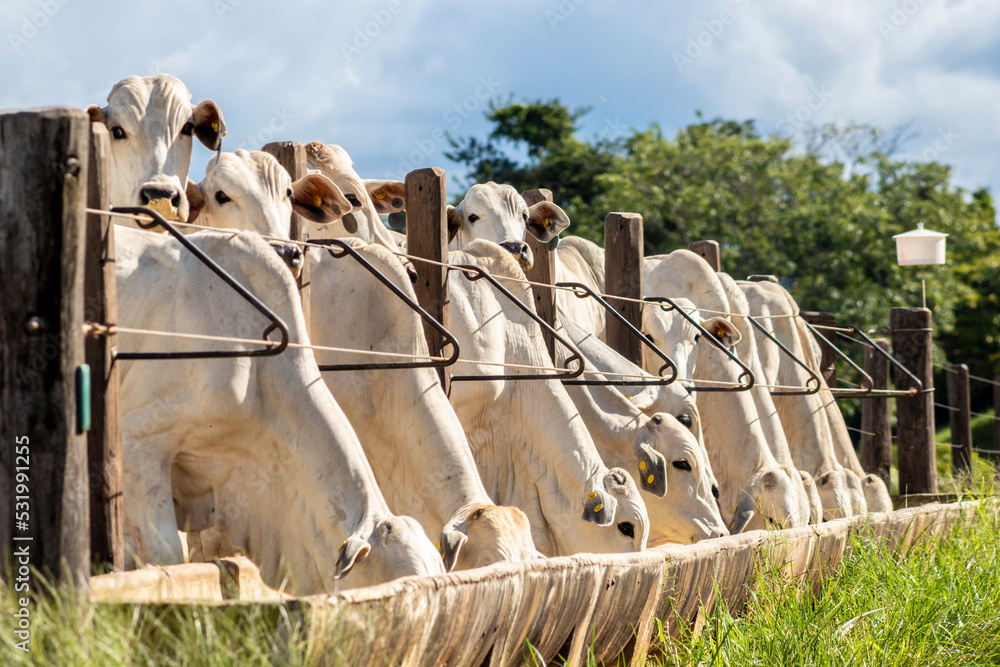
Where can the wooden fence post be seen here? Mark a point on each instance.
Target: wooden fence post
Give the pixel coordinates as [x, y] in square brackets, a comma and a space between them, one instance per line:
[543, 270]
[828, 360]
[912, 346]
[876, 426]
[292, 157]
[709, 250]
[960, 418]
[427, 237]
[43, 455]
[623, 258]
[107, 512]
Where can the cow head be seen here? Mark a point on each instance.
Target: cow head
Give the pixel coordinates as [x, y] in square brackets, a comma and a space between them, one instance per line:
[368, 198]
[834, 490]
[673, 334]
[498, 213]
[395, 547]
[690, 512]
[876, 494]
[771, 499]
[252, 191]
[152, 121]
[488, 534]
[815, 504]
[613, 504]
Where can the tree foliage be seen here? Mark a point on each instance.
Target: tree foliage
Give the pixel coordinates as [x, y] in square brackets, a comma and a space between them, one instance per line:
[820, 216]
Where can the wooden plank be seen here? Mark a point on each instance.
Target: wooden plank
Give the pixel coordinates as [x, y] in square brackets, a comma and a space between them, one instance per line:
[427, 237]
[292, 157]
[623, 257]
[543, 270]
[828, 360]
[709, 250]
[876, 425]
[107, 512]
[960, 418]
[911, 345]
[43, 189]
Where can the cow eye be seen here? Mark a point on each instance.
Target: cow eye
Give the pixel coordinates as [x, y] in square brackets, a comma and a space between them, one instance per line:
[353, 199]
[696, 337]
[187, 129]
[473, 217]
[117, 132]
[627, 529]
[682, 464]
[289, 193]
[685, 419]
[524, 216]
[222, 197]
[715, 491]
[477, 514]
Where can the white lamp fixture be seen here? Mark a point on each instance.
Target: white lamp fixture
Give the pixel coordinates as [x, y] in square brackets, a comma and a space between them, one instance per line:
[918, 247]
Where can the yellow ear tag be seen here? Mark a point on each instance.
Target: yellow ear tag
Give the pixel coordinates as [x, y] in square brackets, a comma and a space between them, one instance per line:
[438, 545]
[721, 333]
[318, 201]
[642, 465]
[649, 480]
[546, 223]
[342, 545]
[215, 127]
[591, 495]
[598, 507]
[379, 194]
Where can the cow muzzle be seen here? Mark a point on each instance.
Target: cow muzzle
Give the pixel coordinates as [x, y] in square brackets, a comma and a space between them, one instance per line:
[165, 201]
[521, 252]
[291, 255]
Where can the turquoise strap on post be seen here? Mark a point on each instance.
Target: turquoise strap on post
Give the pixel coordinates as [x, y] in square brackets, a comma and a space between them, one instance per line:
[82, 398]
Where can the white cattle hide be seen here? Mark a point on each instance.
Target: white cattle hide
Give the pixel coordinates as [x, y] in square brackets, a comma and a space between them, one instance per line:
[529, 443]
[255, 446]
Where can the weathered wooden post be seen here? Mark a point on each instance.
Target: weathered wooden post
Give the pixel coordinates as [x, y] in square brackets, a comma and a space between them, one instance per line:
[709, 250]
[876, 426]
[44, 518]
[960, 418]
[912, 346]
[828, 360]
[427, 237]
[101, 306]
[292, 157]
[543, 270]
[623, 258]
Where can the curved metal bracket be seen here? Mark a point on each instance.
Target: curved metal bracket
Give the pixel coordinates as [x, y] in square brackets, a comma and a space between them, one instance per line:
[276, 322]
[781, 346]
[581, 291]
[477, 274]
[902, 393]
[345, 249]
[867, 384]
[710, 337]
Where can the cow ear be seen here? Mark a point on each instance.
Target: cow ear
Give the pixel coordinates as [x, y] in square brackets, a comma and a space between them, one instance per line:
[196, 200]
[353, 550]
[652, 471]
[317, 198]
[744, 512]
[643, 400]
[455, 222]
[387, 196]
[208, 124]
[450, 545]
[724, 330]
[546, 221]
[97, 114]
[599, 506]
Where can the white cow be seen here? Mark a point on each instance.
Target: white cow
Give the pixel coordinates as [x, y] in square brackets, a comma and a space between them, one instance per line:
[409, 431]
[367, 197]
[816, 416]
[530, 446]
[499, 214]
[674, 474]
[151, 121]
[756, 490]
[255, 446]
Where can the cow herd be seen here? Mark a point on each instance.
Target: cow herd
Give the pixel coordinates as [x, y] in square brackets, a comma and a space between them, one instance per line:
[331, 480]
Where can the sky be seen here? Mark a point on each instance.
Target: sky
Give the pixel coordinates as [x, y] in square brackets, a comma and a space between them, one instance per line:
[387, 79]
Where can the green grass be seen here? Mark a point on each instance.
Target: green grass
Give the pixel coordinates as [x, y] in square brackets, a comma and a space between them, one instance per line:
[983, 467]
[939, 605]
